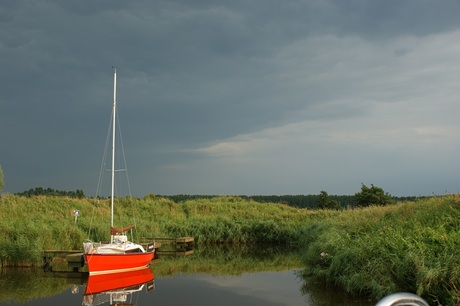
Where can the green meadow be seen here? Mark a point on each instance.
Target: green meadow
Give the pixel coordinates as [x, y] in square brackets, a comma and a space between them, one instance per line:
[377, 250]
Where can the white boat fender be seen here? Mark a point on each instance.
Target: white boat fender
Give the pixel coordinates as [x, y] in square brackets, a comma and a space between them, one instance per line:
[402, 299]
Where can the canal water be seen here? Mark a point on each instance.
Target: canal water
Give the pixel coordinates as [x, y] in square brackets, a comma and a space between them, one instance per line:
[211, 276]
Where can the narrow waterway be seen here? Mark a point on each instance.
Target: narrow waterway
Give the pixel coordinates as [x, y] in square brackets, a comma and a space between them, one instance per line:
[211, 276]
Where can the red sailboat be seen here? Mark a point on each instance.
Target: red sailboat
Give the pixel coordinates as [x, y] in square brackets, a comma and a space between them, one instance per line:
[120, 255]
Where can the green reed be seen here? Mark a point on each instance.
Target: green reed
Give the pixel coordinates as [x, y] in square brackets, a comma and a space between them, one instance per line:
[380, 250]
[31, 225]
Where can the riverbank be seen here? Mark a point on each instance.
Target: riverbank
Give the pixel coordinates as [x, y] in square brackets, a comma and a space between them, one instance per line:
[374, 251]
[33, 224]
[409, 246]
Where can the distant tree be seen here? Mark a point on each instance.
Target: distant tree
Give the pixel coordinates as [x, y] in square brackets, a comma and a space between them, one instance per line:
[372, 196]
[325, 202]
[1, 179]
[79, 194]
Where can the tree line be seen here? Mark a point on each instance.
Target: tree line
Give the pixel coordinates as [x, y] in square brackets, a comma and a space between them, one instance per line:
[368, 196]
[311, 201]
[52, 192]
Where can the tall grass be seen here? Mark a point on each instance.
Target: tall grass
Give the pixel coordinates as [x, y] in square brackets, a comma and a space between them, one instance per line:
[31, 225]
[410, 246]
[379, 250]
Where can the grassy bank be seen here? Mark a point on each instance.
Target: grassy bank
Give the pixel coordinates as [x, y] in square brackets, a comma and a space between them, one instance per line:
[30, 225]
[410, 246]
[378, 250]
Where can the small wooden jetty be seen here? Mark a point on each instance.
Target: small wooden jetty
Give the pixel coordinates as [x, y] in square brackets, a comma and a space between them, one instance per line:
[74, 258]
[183, 246]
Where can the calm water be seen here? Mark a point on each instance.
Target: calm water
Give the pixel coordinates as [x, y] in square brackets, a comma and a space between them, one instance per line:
[209, 277]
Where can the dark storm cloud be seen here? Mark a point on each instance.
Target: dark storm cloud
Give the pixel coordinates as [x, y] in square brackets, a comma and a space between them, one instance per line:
[196, 75]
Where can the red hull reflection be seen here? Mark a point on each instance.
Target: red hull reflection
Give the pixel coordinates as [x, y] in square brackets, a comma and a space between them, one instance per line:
[115, 288]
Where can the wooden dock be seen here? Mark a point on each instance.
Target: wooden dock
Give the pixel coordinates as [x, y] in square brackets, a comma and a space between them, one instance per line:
[175, 246]
[183, 246]
[74, 258]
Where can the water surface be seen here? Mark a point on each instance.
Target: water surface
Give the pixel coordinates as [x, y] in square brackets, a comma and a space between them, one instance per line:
[212, 276]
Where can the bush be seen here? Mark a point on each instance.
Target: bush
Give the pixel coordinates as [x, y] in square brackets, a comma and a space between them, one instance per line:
[372, 196]
[325, 201]
[1, 179]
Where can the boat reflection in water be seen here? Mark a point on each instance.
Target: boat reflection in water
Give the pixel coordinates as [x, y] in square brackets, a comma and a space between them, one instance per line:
[117, 288]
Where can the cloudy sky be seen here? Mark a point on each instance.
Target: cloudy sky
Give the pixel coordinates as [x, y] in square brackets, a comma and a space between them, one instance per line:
[233, 97]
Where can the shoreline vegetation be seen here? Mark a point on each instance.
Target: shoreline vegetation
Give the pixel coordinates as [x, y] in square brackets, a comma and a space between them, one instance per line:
[406, 246]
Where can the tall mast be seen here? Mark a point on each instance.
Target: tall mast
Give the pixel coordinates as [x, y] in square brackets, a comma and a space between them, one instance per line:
[113, 141]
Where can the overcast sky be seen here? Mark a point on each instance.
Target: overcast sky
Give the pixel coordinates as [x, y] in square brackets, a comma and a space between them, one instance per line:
[253, 97]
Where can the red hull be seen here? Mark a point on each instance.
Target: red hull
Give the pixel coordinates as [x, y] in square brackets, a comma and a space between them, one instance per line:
[108, 282]
[116, 263]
